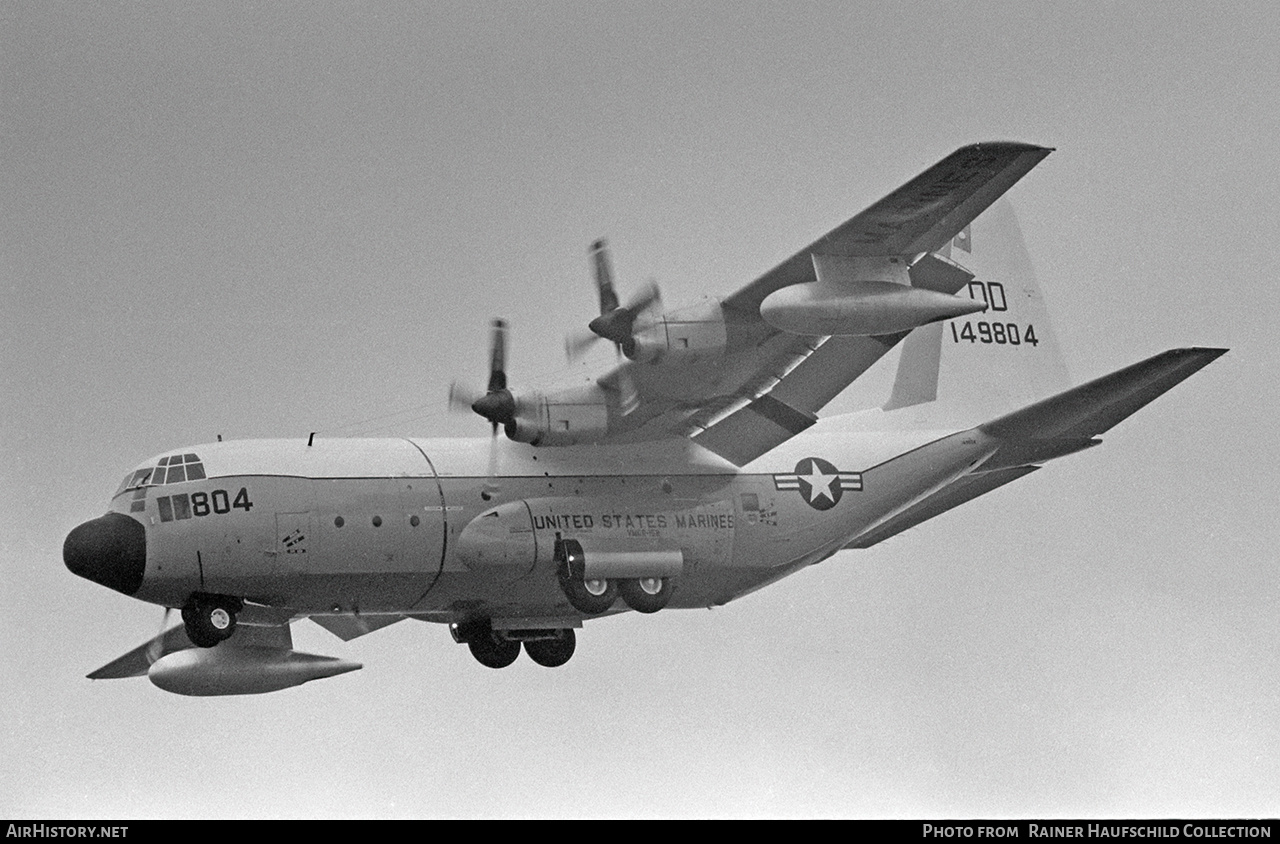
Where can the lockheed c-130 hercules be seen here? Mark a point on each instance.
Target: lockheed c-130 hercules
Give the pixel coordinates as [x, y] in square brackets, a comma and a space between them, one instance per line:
[690, 474]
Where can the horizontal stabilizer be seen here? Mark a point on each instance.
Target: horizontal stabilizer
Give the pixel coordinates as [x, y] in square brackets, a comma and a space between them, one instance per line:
[1095, 407]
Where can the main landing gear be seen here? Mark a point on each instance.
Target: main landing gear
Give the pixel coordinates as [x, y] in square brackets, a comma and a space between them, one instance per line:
[210, 619]
[498, 649]
[592, 596]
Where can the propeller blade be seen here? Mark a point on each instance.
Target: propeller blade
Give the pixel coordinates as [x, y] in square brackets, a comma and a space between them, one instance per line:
[157, 644]
[498, 357]
[491, 481]
[603, 276]
[577, 343]
[644, 298]
[463, 396]
[628, 395]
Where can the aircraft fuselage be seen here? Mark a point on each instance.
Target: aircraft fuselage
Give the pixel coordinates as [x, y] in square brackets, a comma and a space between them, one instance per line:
[414, 526]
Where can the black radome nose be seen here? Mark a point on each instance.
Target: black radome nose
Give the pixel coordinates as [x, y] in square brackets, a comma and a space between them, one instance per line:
[110, 550]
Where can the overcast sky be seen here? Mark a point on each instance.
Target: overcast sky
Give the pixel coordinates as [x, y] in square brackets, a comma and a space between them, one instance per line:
[268, 219]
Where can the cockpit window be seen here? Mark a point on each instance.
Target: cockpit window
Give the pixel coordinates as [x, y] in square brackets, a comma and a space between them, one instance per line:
[177, 468]
[173, 469]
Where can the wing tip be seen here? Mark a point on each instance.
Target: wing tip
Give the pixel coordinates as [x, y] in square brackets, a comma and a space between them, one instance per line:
[1201, 355]
[1010, 146]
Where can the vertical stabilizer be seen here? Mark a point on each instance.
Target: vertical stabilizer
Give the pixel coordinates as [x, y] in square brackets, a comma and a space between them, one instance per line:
[967, 370]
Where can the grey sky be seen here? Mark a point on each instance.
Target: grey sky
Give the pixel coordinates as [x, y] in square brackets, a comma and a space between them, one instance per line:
[268, 219]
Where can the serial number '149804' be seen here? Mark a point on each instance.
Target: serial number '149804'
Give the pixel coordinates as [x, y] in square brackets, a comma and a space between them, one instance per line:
[185, 506]
[1000, 333]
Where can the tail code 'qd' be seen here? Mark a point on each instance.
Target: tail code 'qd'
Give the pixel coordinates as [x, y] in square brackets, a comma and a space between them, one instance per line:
[986, 364]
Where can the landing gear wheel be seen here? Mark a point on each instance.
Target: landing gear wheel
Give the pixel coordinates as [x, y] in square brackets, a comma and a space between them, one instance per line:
[647, 594]
[493, 652]
[209, 620]
[589, 596]
[552, 653]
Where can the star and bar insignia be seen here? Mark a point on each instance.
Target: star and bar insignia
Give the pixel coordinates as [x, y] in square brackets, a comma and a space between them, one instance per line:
[819, 483]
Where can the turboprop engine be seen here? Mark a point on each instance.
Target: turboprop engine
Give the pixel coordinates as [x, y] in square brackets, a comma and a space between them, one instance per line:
[865, 296]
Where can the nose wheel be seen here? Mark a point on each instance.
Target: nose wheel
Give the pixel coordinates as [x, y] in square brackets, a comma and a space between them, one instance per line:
[210, 619]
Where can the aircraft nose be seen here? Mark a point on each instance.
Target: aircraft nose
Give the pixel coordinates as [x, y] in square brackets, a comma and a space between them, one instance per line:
[110, 550]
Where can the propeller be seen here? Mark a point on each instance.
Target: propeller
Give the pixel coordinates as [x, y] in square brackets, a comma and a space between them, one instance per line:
[496, 403]
[616, 322]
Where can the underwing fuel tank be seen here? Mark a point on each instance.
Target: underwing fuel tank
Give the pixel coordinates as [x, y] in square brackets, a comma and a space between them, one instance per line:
[864, 308]
[239, 670]
[870, 295]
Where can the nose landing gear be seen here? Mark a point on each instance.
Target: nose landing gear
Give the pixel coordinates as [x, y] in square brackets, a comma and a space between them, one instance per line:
[210, 619]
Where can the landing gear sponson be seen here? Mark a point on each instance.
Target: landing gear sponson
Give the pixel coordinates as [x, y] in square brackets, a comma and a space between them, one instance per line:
[645, 580]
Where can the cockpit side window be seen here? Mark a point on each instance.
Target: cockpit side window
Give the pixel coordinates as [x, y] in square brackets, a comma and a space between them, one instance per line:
[133, 480]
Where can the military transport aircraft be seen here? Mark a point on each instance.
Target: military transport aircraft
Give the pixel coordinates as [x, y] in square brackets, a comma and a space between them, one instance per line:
[690, 474]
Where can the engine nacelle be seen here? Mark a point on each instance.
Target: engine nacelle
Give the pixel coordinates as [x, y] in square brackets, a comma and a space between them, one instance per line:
[570, 417]
[241, 670]
[692, 333]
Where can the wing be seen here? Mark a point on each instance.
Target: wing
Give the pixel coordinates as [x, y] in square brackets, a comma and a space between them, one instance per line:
[771, 384]
[257, 625]
[921, 216]
[719, 374]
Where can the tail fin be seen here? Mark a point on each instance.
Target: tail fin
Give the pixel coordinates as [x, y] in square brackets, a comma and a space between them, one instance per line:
[981, 366]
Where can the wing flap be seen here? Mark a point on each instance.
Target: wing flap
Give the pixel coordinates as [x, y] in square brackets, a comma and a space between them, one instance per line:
[789, 407]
